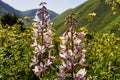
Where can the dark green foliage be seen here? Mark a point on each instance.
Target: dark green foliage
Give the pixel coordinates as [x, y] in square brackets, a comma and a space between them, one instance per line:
[15, 53]
[9, 19]
[103, 54]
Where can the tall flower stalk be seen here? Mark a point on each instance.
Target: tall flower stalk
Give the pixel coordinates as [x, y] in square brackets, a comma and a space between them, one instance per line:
[72, 52]
[42, 59]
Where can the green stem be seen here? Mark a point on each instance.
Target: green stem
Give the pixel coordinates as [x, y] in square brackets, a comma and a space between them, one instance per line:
[72, 64]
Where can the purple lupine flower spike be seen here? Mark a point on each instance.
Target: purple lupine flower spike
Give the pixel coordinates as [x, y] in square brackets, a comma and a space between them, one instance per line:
[72, 52]
[42, 42]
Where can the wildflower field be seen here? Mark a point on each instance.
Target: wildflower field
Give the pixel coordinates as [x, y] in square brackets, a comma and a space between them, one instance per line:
[38, 53]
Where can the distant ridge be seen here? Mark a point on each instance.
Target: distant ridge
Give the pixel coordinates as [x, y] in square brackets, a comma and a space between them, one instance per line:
[6, 8]
[32, 12]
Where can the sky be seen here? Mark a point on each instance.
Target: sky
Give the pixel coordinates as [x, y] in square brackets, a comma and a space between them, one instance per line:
[57, 6]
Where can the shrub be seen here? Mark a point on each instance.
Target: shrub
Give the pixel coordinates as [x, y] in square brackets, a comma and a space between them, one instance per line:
[103, 54]
[9, 19]
[15, 53]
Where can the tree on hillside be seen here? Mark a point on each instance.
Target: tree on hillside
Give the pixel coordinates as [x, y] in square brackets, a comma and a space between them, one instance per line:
[9, 19]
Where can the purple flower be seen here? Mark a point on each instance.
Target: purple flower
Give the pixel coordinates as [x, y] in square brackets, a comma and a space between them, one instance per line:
[40, 50]
[81, 62]
[42, 3]
[51, 58]
[63, 56]
[36, 70]
[72, 53]
[48, 63]
[34, 61]
[81, 73]
[42, 42]
[37, 17]
[80, 35]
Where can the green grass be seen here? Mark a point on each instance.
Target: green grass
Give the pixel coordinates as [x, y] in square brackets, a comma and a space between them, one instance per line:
[104, 16]
[109, 26]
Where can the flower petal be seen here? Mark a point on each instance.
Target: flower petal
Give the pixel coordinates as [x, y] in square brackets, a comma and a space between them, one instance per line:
[81, 73]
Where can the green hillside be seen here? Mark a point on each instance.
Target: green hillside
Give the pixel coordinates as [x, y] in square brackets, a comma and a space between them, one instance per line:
[113, 26]
[104, 16]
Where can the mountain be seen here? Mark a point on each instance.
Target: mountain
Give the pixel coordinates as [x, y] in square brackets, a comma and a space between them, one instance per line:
[103, 21]
[5, 8]
[31, 13]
